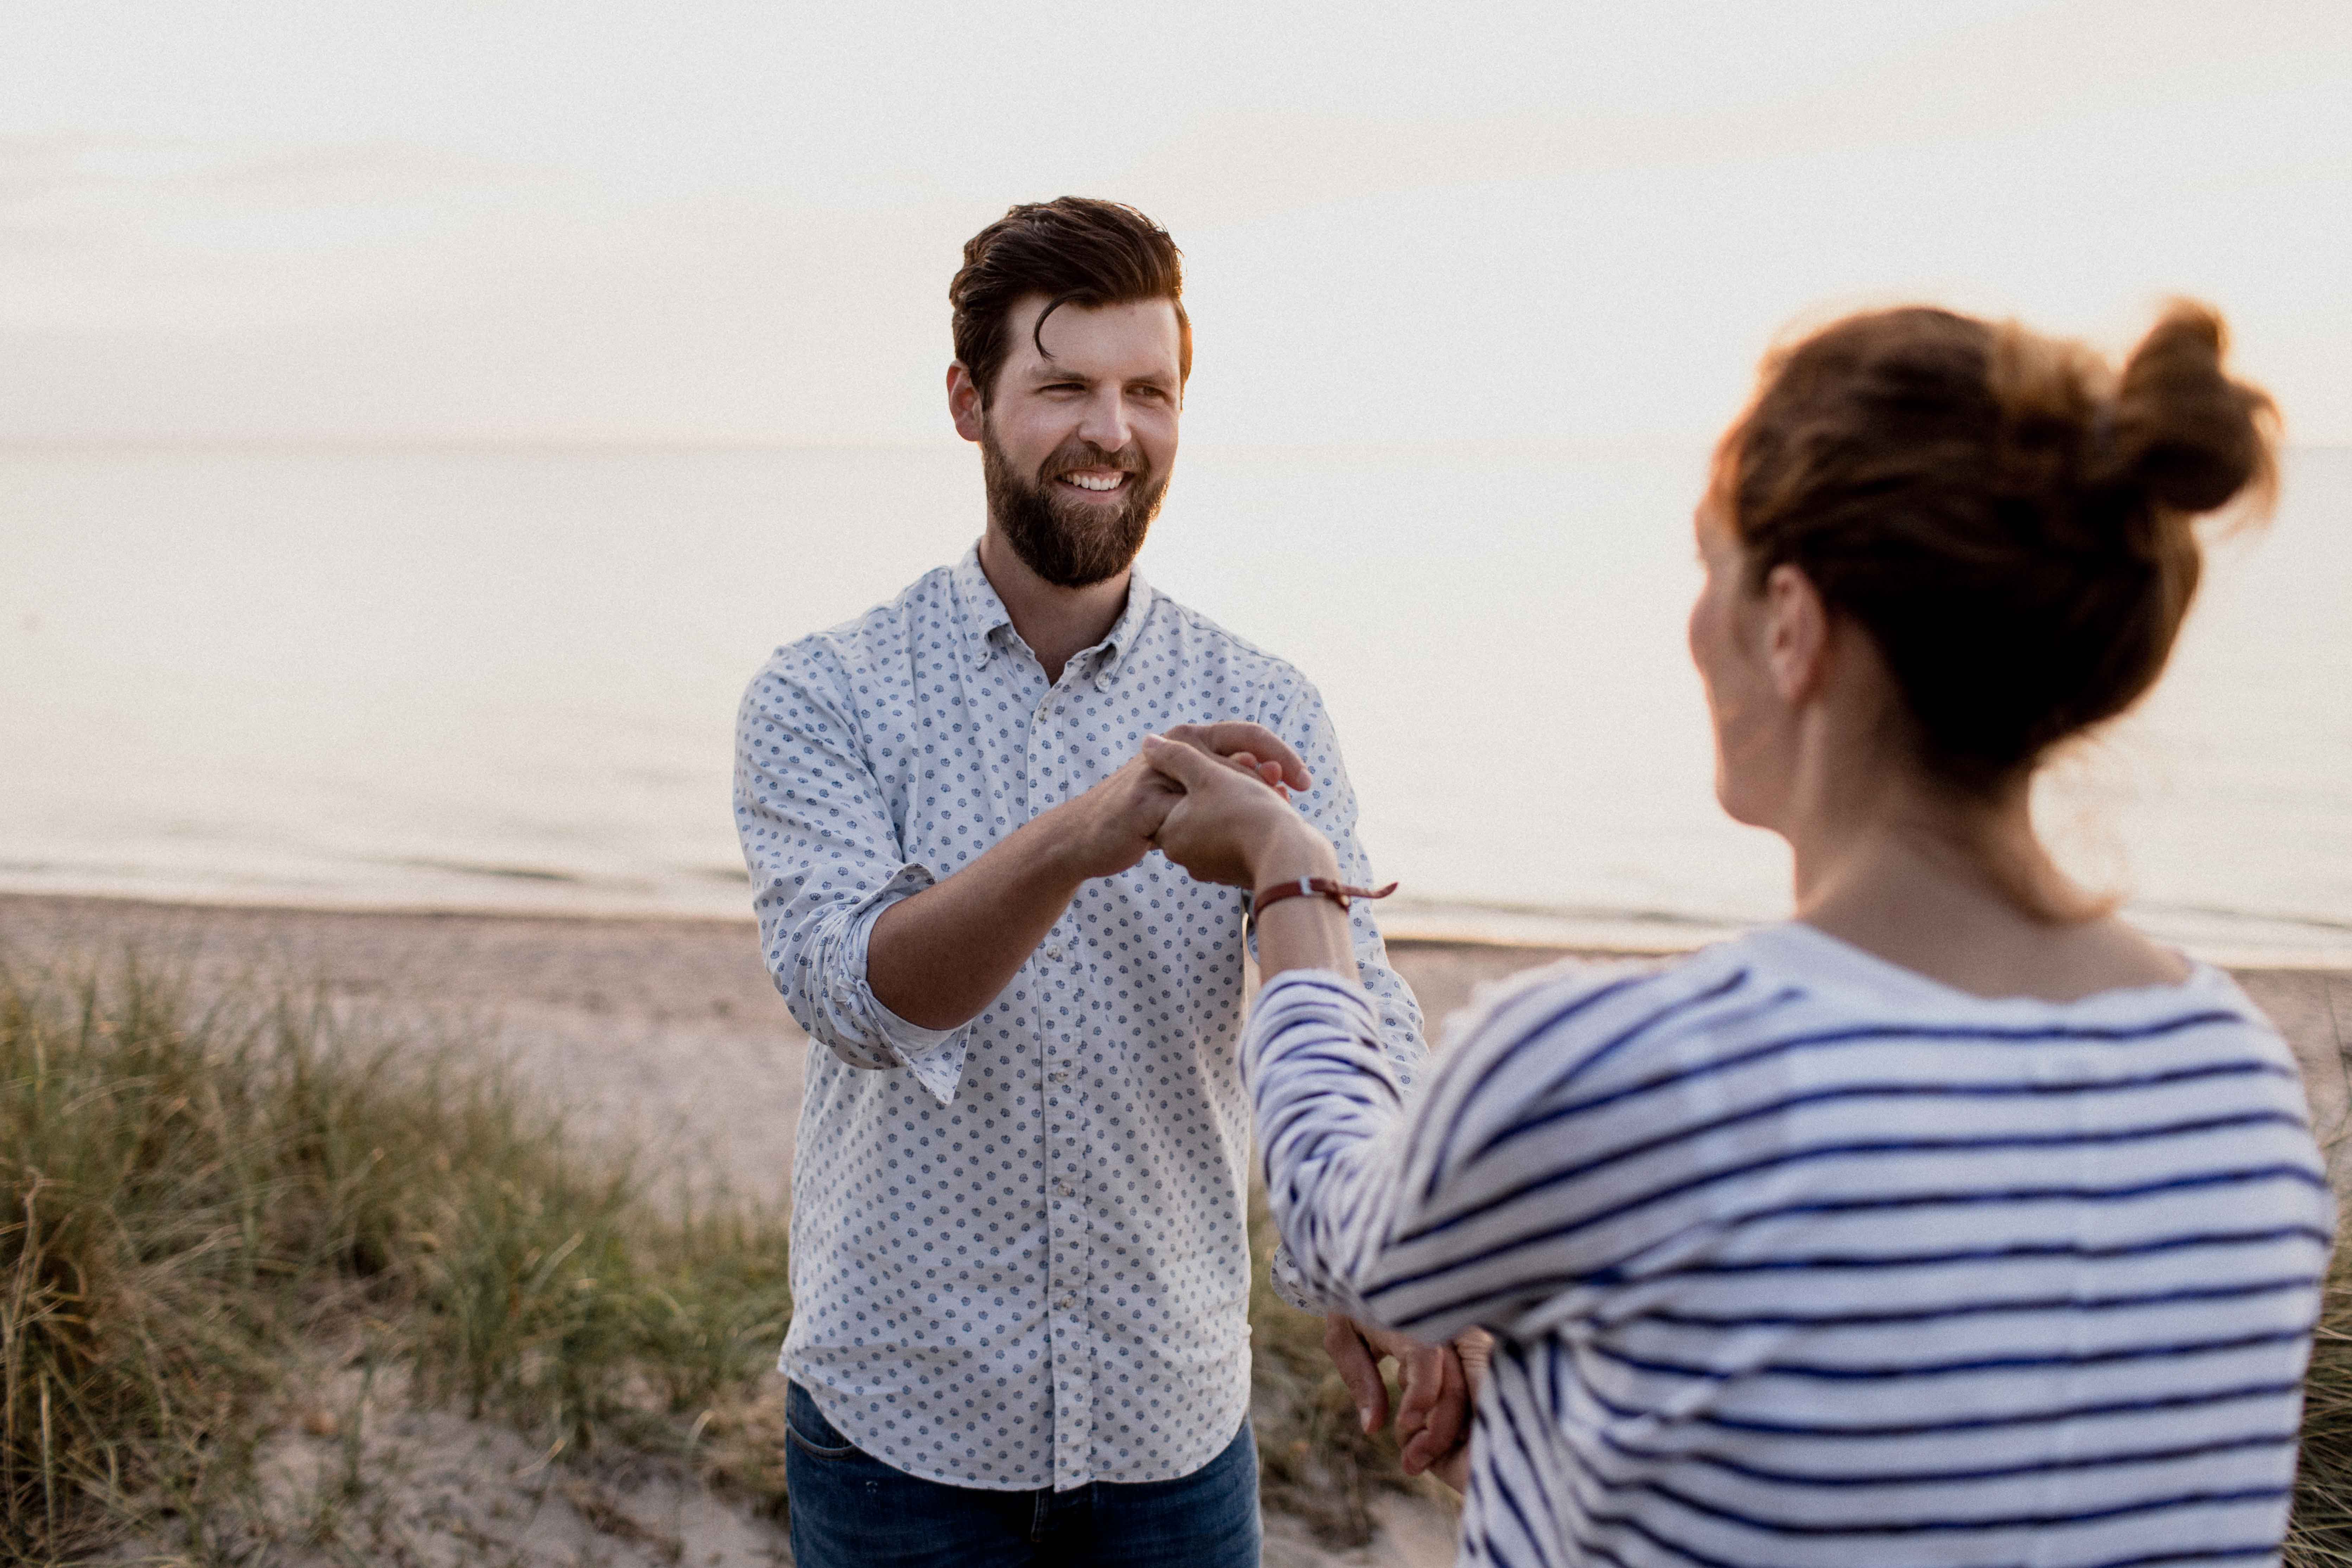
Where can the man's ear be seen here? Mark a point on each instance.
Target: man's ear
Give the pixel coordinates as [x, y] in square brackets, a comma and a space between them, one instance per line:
[963, 402]
[1796, 633]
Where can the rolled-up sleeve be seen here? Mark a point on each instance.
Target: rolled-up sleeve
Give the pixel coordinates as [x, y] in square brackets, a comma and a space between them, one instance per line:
[1330, 805]
[826, 860]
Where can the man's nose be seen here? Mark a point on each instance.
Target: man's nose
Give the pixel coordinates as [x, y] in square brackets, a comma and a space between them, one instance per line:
[1107, 424]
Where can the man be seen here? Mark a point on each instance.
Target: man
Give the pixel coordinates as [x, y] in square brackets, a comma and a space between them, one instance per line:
[1019, 1253]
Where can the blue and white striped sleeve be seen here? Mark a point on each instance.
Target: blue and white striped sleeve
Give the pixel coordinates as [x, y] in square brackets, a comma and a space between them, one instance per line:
[826, 862]
[1381, 1198]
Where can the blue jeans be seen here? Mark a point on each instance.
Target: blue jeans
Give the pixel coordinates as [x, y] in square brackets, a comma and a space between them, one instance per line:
[851, 1511]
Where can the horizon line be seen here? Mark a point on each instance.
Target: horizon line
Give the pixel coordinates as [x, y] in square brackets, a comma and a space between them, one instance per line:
[1531, 446]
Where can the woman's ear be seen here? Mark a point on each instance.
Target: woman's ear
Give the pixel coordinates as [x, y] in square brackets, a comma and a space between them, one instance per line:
[1796, 634]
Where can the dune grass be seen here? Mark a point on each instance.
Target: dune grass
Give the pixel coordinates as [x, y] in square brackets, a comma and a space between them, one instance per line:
[2320, 1535]
[206, 1198]
[200, 1195]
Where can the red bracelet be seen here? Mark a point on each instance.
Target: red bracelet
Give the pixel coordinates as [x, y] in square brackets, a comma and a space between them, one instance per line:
[1339, 893]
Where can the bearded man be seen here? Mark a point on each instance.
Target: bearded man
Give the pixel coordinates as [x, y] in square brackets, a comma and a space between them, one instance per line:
[1021, 1271]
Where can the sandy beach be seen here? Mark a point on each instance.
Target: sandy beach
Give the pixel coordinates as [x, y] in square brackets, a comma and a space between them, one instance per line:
[664, 1030]
[668, 1031]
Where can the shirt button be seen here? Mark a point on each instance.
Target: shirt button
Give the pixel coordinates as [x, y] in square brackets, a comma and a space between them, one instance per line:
[1059, 1075]
[1054, 953]
[1062, 1189]
[1066, 1302]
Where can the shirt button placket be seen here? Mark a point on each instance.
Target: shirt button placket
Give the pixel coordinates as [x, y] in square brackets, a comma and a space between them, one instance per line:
[1071, 1353]
[1073, 1391]
[1072, 1357]
[1064, 1336]
[1041, 736]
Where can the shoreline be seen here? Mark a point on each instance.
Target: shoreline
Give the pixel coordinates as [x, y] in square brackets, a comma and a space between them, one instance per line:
[1435, 923]
[665, 1026]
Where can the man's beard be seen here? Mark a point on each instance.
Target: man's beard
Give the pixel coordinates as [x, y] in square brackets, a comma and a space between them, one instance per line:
[1070, 543]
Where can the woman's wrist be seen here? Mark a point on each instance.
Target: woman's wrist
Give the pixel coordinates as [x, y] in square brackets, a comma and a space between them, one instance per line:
[1293, 851]
[1302, 932]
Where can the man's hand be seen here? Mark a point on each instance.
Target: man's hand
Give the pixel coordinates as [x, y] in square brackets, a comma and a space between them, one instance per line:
[1111, 826]
[1432, 1417]
[937, 958]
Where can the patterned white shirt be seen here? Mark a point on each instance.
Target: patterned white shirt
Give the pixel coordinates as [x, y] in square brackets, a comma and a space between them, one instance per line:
[1020, 1250]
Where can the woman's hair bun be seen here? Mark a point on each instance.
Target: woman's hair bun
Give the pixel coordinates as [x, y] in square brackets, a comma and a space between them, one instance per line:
[2011, 521]
[2182, 432]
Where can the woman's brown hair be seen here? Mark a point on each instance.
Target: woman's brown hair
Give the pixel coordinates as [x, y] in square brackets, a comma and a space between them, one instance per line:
[2008, 518]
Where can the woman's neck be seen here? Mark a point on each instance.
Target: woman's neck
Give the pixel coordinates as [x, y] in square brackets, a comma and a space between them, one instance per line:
[1958, 888]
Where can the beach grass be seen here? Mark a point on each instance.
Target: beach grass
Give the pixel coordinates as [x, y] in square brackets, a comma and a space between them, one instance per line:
[205, 1196]
[217, 1199]
[2320, 1535]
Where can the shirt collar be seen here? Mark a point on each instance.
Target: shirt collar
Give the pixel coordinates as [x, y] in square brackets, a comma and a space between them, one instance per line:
[982, 616]
[1123, 636]
[979, 612]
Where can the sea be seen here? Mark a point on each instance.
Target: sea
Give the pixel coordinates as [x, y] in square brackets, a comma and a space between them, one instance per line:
[506, 678]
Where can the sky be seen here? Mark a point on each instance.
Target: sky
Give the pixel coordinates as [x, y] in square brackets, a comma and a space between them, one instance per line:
[1546, 223]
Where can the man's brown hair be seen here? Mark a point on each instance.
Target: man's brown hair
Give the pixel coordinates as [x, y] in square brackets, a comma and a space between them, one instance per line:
[1074, 251]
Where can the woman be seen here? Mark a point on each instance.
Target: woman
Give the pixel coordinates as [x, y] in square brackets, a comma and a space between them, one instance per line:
[1953, 1221]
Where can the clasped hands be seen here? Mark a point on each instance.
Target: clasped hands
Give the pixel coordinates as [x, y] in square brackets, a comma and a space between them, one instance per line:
[1210, 797]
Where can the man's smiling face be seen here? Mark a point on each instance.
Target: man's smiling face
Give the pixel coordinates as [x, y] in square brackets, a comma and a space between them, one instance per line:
[1077, 441]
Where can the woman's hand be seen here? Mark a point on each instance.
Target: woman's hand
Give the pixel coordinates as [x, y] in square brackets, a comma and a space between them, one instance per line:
[1231, 825]
[1432, 1420]
[1472, 1350]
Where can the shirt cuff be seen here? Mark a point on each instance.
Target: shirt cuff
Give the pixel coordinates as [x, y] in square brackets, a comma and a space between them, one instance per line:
[934, 1055]
[1282, 1272]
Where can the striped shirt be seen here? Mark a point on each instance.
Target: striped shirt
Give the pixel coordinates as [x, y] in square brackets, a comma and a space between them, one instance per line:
[1794, 1256]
